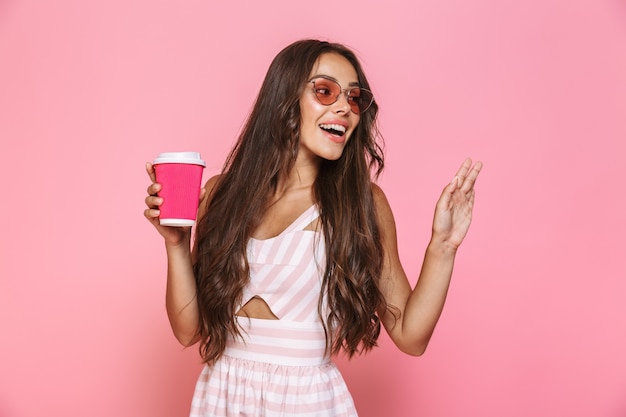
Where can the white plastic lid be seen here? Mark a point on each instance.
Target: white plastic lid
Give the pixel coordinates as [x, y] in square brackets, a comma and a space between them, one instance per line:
[179, 158]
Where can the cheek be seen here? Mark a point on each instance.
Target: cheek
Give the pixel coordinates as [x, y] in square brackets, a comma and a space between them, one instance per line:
[355, 124]
[311, 108]
[307, 120]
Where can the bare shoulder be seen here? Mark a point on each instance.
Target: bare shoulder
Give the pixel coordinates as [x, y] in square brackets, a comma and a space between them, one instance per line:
[383, 209]
[379, 194]
[209, 187]
[211, 183]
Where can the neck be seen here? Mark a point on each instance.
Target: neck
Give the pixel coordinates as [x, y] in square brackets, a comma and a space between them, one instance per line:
[302, 175]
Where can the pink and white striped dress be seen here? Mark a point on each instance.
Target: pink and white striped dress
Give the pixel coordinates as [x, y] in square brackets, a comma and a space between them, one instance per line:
[279, 368]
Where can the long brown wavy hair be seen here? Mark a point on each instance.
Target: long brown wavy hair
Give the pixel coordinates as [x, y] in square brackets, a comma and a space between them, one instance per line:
[265, 151]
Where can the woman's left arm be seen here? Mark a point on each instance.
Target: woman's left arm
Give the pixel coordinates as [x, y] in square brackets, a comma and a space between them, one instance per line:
[414, 313]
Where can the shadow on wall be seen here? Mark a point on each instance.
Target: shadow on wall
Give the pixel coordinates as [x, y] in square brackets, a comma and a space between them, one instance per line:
[6, 6]
[374, 378]
[4, 412]
[162, 373]
[620, 7]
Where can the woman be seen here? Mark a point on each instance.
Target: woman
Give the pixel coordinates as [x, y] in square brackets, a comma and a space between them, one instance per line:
[295, 255]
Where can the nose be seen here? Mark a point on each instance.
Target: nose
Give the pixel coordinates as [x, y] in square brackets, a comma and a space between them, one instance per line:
[342, 105]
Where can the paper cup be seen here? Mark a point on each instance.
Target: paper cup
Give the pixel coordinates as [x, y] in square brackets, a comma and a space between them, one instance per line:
[180, 176]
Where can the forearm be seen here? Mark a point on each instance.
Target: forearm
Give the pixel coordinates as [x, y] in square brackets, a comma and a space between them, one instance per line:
[427, 299]
[410, 315]
[180, 298]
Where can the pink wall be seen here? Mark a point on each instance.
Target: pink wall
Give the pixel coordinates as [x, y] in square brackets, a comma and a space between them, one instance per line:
[89, 91]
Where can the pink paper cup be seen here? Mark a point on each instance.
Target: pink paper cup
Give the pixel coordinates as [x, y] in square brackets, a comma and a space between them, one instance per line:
[180, 176]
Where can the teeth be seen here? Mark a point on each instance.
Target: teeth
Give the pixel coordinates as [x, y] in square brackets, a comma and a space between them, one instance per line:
[339, 128]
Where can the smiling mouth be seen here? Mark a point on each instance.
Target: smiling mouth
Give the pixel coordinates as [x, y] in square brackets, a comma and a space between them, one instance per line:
[334, 129]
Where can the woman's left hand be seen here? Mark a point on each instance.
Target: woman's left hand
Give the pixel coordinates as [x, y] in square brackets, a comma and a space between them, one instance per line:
[453, 213]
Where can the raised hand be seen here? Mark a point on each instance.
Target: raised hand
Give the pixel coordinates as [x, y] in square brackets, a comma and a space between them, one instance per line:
[453, 212]
[172, 235]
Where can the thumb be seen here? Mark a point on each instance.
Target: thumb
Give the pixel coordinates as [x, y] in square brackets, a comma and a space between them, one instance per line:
[446, 194]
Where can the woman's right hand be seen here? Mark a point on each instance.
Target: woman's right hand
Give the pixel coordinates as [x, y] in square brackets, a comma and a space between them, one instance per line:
[173, 235]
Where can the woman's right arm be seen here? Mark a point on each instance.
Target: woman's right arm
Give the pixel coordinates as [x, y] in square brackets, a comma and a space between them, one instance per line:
[180, 298]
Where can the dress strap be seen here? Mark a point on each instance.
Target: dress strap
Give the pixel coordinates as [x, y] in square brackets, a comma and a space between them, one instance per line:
[304, 219]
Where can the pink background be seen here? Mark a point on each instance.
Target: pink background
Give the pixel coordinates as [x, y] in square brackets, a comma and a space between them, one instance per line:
[535, 323]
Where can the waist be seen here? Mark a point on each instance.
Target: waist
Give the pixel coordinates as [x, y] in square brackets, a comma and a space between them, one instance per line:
[281, 342]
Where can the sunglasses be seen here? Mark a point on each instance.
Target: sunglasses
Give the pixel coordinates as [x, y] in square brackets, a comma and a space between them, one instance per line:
[328, 91]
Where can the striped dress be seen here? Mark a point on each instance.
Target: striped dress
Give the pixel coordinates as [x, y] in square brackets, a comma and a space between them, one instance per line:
[279, 368]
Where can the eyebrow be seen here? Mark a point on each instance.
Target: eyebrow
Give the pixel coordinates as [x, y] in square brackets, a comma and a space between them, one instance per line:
[328, 77]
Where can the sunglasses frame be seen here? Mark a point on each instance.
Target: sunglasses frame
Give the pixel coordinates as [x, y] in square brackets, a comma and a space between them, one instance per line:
[346, 92]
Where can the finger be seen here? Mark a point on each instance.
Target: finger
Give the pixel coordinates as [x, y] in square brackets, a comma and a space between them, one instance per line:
[446, 194]
[154, 188]
[469, 182]
[153, 202]
[464, 169]
[470, 198]
[151, 214]
[150, 171]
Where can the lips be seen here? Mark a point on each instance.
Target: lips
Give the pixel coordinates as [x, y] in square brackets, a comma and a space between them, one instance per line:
[335, 130]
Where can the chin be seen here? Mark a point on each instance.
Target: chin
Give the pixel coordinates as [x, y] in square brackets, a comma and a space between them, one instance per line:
[332, 157]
